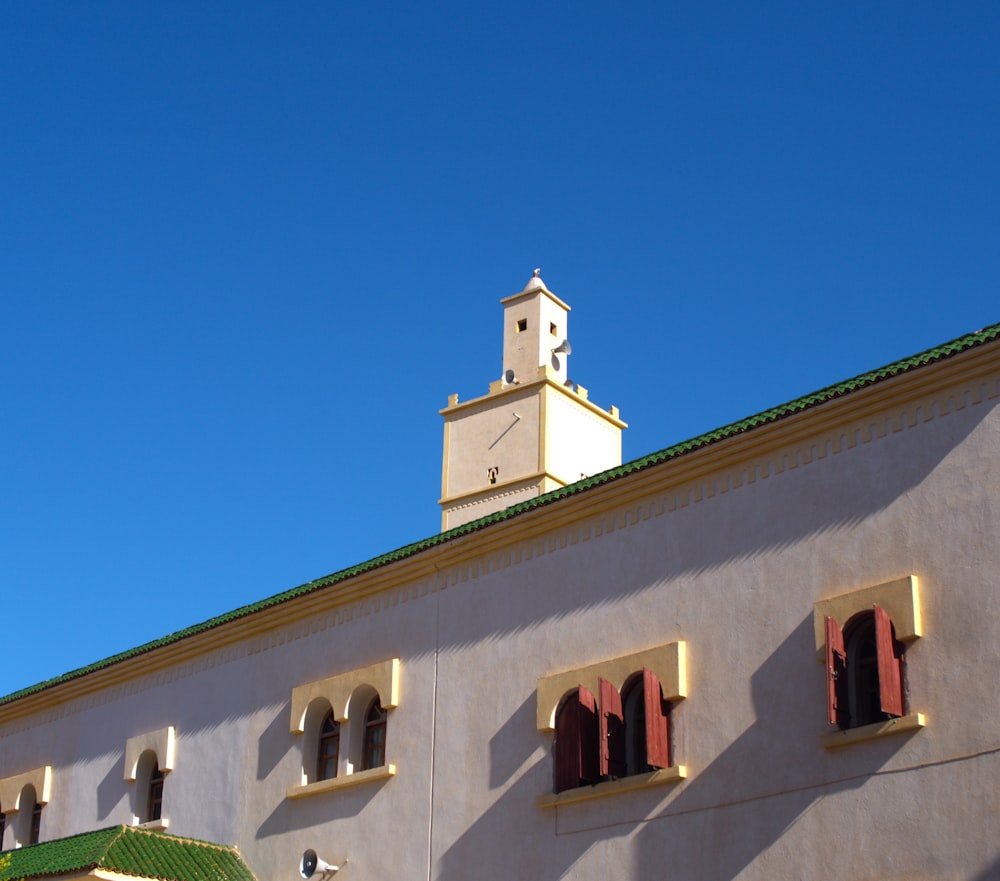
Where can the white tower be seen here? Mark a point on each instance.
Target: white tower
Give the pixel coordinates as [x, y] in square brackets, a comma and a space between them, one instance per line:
[535, 431]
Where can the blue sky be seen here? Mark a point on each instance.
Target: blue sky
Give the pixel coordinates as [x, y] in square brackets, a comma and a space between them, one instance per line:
[247, 250]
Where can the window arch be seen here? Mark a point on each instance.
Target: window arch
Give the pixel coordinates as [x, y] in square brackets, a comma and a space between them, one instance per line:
[576, 740]
[864, 666]
[149, 778]
[647, 724]
[375, 735]
[149, 758]
[29, 818]
[335, 750]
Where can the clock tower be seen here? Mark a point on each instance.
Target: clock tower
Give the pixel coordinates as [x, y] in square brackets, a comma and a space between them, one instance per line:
[535, 430]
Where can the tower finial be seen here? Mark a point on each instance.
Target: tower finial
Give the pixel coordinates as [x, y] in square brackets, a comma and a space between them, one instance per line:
[536, 273]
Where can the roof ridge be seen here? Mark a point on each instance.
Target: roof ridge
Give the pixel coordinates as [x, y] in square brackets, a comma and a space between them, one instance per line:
[773, 414]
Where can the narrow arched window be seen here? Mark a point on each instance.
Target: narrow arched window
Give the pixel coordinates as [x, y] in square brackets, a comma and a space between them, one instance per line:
[30, 814]
[634, 710]
[3, 827]
[154, 800]
[647, 724]
[328, 748]
[864, 670]
[375, 725]
[577, 741]
[862, 665]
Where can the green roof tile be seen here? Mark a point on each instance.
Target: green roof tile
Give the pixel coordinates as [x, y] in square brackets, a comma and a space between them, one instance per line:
[128, 851]
[904, 365]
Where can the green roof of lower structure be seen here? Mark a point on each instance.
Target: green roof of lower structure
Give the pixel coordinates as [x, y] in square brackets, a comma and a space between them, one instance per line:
[126, 851]
[904, 365]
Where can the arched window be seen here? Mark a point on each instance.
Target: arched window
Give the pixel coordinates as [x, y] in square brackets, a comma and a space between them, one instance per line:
[375, 727]
[3, 825]
[30, 817]
[149, 777]
[864, 670]
[576, 741]
[328, 748]
[647, 724]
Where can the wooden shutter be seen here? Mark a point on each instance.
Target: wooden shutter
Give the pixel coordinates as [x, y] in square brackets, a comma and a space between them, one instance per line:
[890, 684]
[611, 731]
[837, 712]
[657, 722]
[589, 751]
[576, 741]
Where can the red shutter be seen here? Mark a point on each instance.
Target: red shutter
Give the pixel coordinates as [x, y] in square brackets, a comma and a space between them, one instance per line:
[611, 732]
[568, 744]
[836, 675]
[576, 741]
[890, 686]
[657, 722]
[589, 749]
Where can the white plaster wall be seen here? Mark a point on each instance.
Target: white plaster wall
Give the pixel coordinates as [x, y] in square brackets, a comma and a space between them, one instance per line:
[732, 565]
[579, 442]
[736, 574]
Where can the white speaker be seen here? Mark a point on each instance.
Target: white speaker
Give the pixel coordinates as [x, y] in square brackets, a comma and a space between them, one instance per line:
[310, 864]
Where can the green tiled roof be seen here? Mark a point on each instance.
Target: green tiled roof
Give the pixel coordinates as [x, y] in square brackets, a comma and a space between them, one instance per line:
[905, 365]
[128, 851]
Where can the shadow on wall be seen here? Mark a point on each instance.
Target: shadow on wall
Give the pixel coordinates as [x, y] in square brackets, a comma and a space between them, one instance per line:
[507, 745]
[113, 788]
[713, 825]
[275, 741]
[292, 815]
[773, 513]
[990, 873]
[492, 840]
[756, 789]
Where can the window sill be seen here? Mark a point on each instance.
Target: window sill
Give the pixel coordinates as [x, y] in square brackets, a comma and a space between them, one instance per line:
[836, 739]
[672, 774]
[153, 825]
[355, 779]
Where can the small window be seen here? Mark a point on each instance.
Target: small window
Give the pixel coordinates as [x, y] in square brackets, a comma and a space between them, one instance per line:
[375, 727]
[154, 807]
[3, 827]
[34, 832]
[553, 329]
[864, 670]
[522, 324]
[329, 748]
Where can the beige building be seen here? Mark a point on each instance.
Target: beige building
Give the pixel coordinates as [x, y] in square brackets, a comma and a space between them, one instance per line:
[760, 654]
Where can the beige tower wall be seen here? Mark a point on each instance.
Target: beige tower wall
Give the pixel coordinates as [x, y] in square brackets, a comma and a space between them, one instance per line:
[501, 432]
[537, 437]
